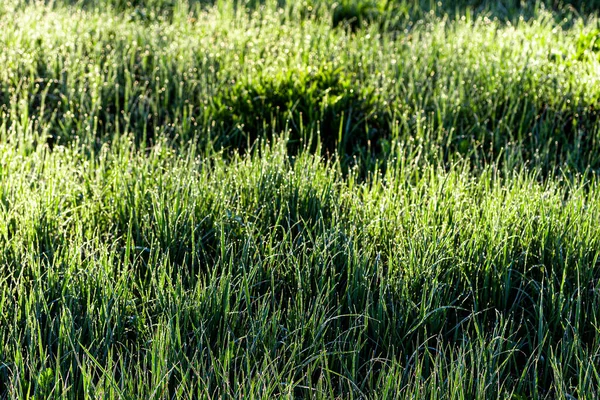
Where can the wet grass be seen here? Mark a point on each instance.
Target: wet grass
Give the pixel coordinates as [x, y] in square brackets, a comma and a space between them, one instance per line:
[476, 86]
[291, 200]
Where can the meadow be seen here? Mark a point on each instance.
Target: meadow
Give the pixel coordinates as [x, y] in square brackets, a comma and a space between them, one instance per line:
[260, 199]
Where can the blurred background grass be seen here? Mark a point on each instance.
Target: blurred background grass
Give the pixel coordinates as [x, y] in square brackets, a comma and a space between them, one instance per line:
[357, 200]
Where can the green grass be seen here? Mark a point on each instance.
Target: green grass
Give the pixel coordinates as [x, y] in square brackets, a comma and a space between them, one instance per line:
[474, 87]
[227, 200]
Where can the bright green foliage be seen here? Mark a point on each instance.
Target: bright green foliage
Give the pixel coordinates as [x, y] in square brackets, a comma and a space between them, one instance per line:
[475, 87]
[372, 200]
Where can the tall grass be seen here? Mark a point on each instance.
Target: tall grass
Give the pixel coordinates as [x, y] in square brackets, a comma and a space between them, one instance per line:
[235, 201]
[477, 87]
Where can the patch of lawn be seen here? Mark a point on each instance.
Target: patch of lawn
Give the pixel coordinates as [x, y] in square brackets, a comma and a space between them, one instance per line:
[373, 200]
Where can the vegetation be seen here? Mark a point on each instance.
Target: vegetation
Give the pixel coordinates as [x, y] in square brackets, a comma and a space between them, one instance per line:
[366, 199]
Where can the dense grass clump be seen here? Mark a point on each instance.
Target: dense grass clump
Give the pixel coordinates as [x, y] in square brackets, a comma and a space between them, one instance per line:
[365, 199]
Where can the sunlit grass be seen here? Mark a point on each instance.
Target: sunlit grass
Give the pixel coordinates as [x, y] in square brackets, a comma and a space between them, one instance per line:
[209, 201]
[473, 87]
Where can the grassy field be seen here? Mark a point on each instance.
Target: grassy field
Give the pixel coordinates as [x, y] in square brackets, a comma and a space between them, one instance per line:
[361, 199]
